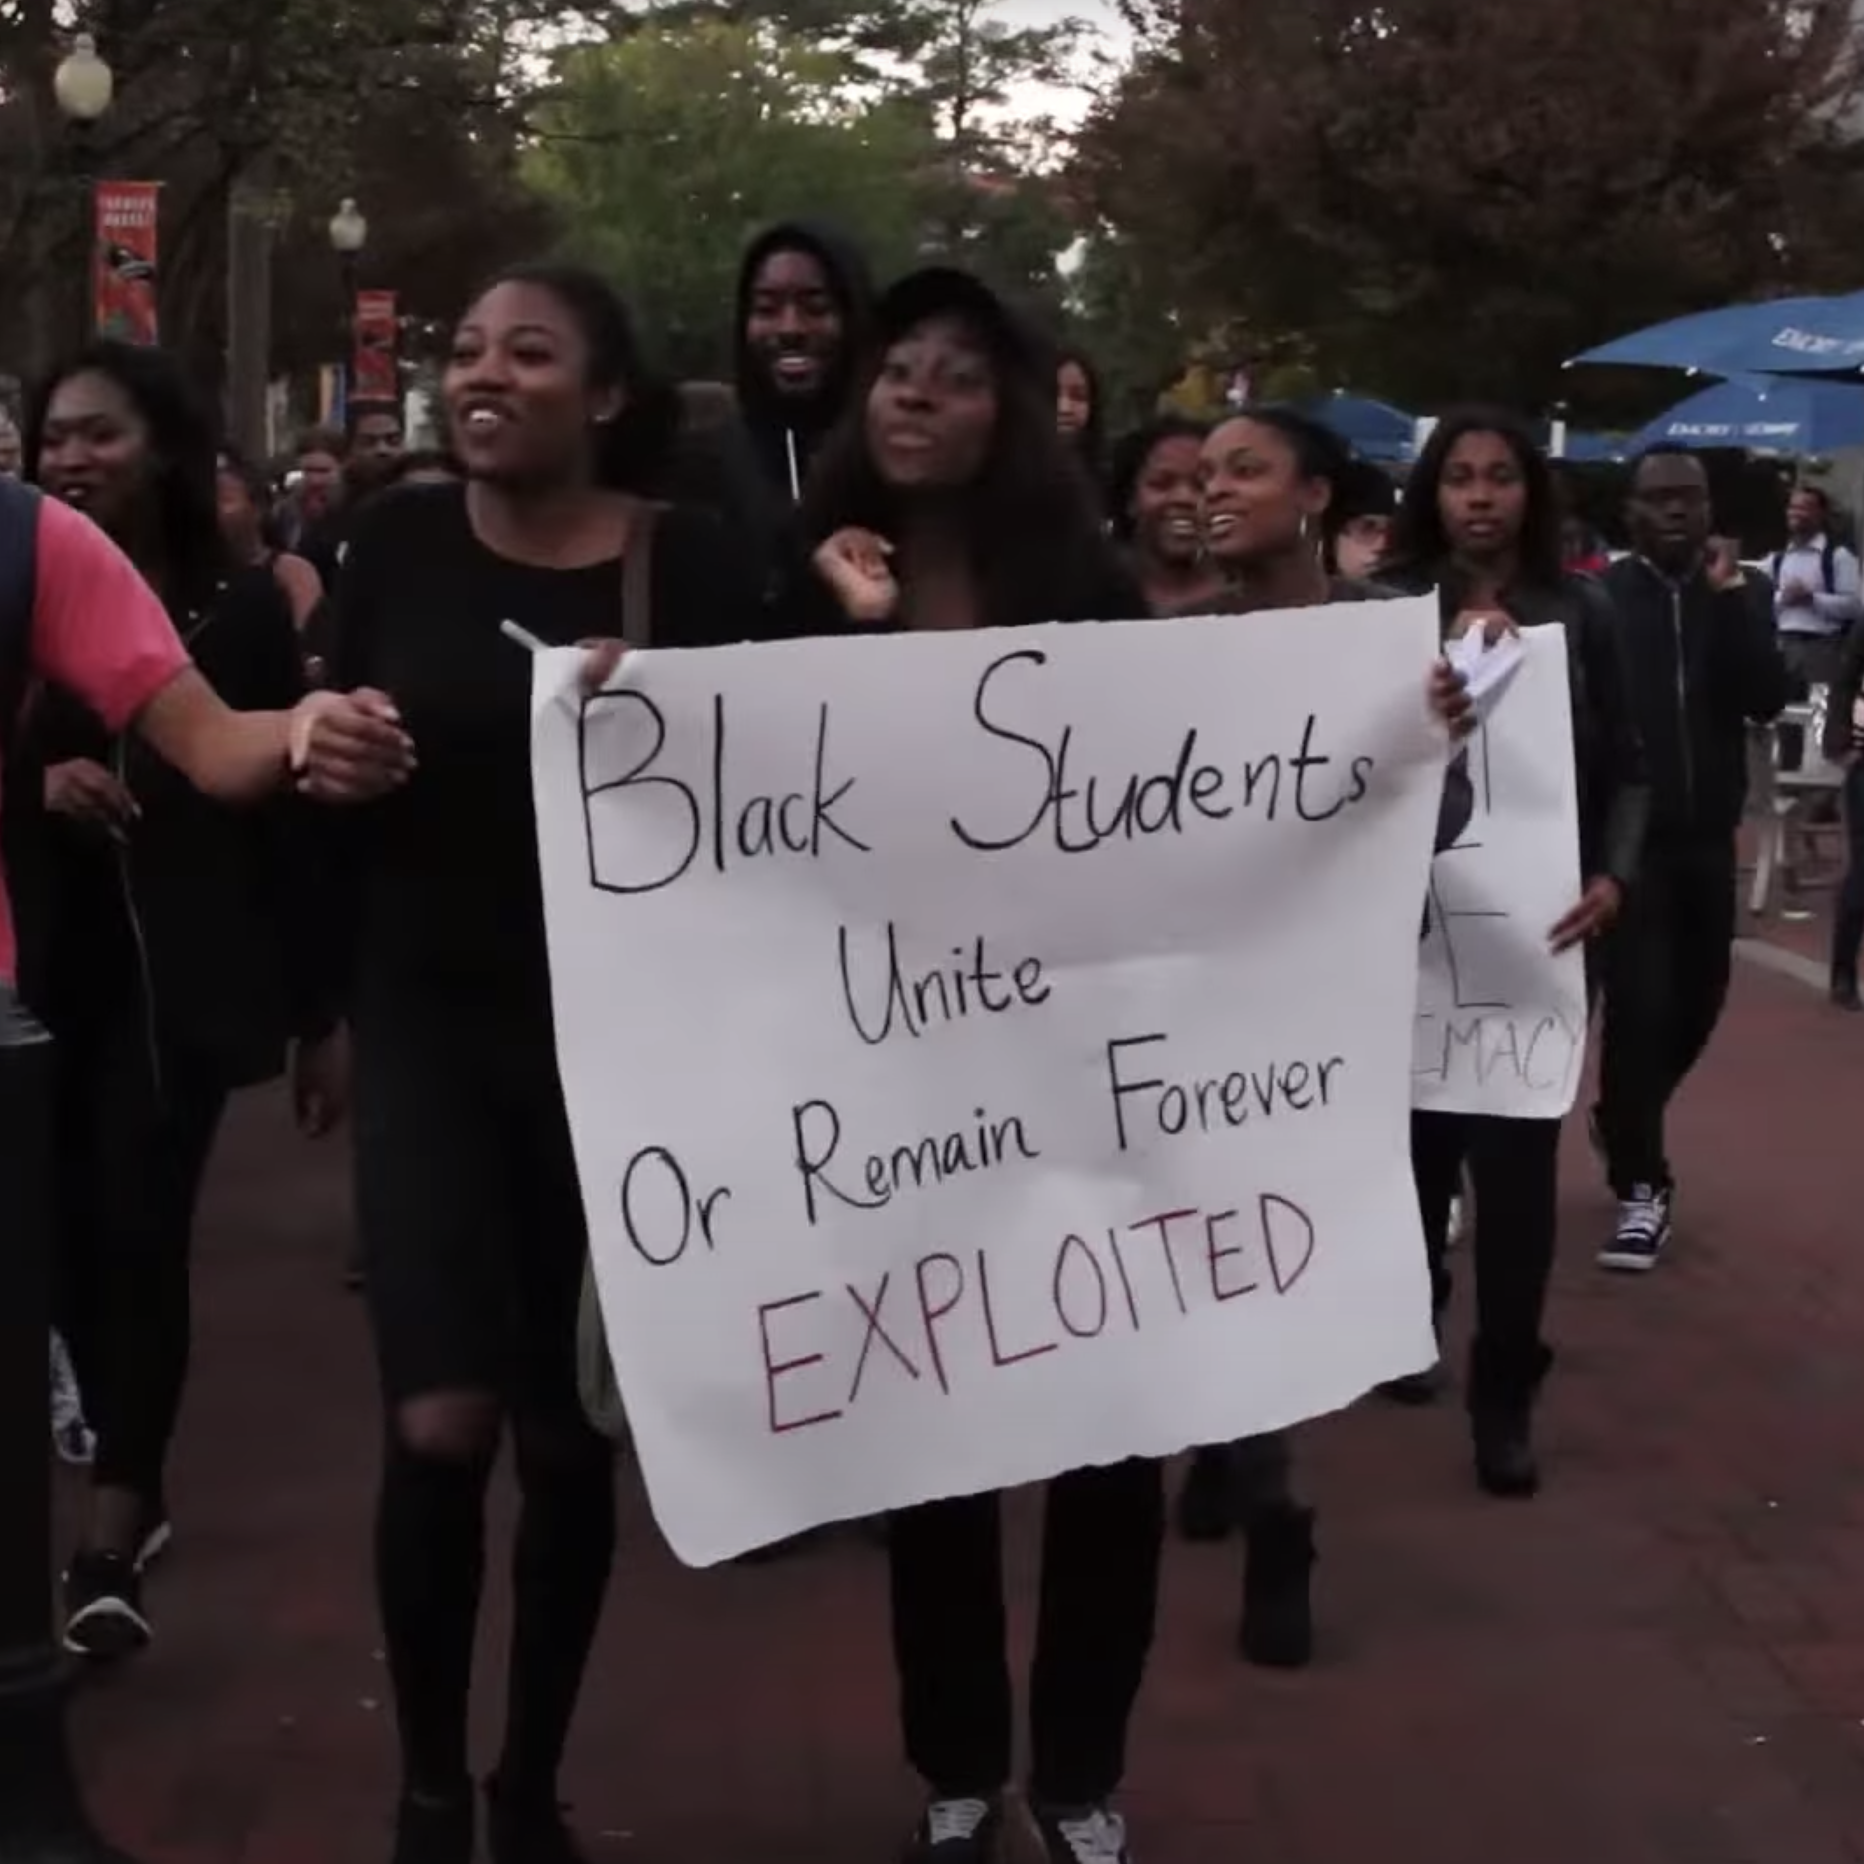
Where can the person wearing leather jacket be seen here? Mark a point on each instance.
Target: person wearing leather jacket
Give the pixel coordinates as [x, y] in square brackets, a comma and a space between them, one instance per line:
[1703, 663]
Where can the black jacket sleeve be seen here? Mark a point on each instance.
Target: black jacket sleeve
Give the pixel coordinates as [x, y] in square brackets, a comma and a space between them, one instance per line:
[706, 593]
[1619, 788]
[1758, 684]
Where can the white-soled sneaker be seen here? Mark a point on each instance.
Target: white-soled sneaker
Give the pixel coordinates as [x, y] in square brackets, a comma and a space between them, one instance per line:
[1094, 1835]
[1644, 1223]
[104, 1617]
[956, 1831]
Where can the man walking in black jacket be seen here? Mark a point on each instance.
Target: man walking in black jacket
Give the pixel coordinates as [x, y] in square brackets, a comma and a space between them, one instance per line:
[1701, 664]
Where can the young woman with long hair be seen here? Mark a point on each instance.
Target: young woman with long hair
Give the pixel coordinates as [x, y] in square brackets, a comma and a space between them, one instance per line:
[177, 951]
[1481, 522]
[1158, 513]
[1275, 486]
[946, 499]
[944, 502]
[470, 1213]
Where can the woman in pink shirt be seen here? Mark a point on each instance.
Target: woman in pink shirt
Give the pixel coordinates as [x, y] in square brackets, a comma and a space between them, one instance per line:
[95, 628]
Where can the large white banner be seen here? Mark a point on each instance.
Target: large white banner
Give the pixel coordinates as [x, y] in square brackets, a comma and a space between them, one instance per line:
[1501, 1020]
[989, 1054]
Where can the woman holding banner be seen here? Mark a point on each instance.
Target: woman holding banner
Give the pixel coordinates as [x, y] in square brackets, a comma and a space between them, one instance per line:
[1480, 522]
[945, 500]
[1276, 486]
[468, 1205]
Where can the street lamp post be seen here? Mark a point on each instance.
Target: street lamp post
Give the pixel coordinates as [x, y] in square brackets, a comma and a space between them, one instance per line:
[42, 1814]
[349, 234]
[83, 87]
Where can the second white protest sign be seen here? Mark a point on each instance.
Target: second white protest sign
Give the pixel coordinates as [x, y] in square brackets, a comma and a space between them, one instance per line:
[988, 1054]
[1501, 1018]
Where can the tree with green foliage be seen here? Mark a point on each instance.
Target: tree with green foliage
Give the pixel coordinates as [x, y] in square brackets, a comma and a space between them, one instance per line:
[664, 153]
[215, 97]
[1446, 199]
[984, 187]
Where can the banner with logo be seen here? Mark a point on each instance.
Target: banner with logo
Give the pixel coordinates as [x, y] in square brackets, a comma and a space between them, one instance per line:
[126, 264]
[989, 1053]
[375, 375]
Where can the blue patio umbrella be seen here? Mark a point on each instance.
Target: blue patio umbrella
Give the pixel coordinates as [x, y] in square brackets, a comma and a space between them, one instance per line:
[1591, 449]
[1786, 336]
[1766, 413]
[1373, 429]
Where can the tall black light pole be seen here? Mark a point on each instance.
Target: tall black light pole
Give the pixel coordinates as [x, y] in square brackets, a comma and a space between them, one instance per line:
[83, 87]
[42, 1814]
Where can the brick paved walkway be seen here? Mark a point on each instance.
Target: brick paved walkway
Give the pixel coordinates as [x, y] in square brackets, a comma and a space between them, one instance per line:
[1660, 1662]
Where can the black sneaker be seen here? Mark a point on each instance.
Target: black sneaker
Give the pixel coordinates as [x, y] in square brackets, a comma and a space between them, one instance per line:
[956, 1831]
[104, 1618]
[1845, 994]
[1094, 1835]
[1644, 1223]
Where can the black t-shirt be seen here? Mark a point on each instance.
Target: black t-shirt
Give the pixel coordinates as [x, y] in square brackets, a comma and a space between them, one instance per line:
[447, 904]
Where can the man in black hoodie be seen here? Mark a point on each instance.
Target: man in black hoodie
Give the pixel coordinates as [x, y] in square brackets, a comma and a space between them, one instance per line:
[804, 294]
[1701, 663]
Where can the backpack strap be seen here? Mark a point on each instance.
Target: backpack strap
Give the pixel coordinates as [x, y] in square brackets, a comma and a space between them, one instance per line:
[637, 577]
[1828, 566]
[19, 558]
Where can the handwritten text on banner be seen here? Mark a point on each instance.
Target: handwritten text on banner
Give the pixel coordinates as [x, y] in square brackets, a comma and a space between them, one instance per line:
[1501, 1022]
[987, 1054]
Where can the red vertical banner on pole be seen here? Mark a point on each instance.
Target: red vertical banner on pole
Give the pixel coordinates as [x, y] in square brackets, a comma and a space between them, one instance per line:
[375, 376]
[126, 261]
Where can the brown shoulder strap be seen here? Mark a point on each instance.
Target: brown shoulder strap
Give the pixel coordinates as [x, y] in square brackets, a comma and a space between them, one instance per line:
[637, 578]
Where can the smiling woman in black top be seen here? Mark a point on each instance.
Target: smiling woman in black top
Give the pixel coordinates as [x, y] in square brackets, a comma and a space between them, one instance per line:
[467, 1197]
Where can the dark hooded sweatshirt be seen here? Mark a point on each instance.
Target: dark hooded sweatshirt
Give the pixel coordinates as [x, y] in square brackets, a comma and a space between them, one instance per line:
[743, 470]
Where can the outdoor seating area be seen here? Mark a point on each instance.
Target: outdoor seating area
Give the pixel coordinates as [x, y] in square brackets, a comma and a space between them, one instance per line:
[1795, 832]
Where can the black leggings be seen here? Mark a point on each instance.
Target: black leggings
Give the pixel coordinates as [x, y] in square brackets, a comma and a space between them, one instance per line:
[1514, 1170]
[1103, 1533]
[1666, 972]
[473, 1242]
[430, 1570]
[131, 1150]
